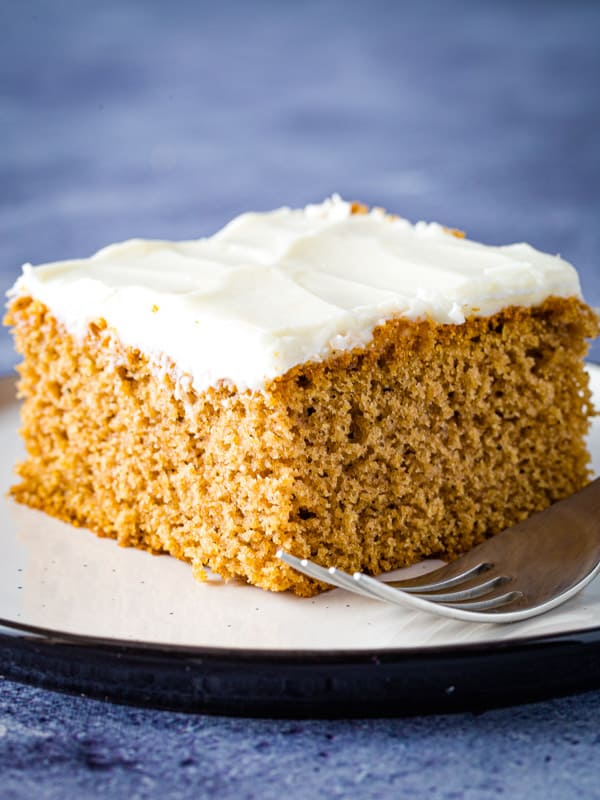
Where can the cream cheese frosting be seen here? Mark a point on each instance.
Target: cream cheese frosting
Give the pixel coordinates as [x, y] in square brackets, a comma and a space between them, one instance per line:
[273, 290]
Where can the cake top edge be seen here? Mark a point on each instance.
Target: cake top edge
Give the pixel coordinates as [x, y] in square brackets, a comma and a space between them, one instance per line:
[271, 290]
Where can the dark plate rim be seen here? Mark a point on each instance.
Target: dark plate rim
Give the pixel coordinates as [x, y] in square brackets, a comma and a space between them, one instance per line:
[53, 637]
[341, 684]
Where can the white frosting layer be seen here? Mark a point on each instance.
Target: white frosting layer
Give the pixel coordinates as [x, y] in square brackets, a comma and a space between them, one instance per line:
[273, 290]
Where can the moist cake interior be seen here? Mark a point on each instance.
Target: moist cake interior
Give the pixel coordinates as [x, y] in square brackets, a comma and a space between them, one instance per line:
[422, 442]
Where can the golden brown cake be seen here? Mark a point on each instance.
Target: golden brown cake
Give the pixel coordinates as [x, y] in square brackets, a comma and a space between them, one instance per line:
[349, 388]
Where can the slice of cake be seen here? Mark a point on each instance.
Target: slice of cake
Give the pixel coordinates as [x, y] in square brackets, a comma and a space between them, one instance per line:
[340, 384]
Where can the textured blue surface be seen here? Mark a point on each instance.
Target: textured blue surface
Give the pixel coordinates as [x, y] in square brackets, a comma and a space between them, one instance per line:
[57, 747]
[122, 119]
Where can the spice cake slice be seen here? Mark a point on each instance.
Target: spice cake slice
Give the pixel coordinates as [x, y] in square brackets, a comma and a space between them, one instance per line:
[346, 386]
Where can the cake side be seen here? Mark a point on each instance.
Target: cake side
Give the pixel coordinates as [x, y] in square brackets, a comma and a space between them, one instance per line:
[444, 434]
[111, 447]
[422, 442]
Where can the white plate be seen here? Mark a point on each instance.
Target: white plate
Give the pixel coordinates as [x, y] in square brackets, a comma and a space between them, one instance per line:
[54, 576]
[80, 614]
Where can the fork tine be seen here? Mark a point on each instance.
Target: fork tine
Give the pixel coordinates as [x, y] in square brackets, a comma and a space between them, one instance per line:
[487, 610]
[367, 587]
[486, 605]
[346, 581]
[477, 590]
[341, 579]
[332, 575]
[382, 591]
[410, 586]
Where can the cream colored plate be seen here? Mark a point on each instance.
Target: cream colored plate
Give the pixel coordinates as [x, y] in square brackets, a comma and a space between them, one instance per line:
[56, 577]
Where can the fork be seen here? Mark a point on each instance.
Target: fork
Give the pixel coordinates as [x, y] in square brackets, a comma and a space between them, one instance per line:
[527, 570]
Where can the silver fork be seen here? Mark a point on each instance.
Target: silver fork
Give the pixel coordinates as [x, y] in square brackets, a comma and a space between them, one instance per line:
[524, 571]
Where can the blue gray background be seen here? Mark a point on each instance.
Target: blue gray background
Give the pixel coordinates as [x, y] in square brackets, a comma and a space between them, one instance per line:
[158, 119]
